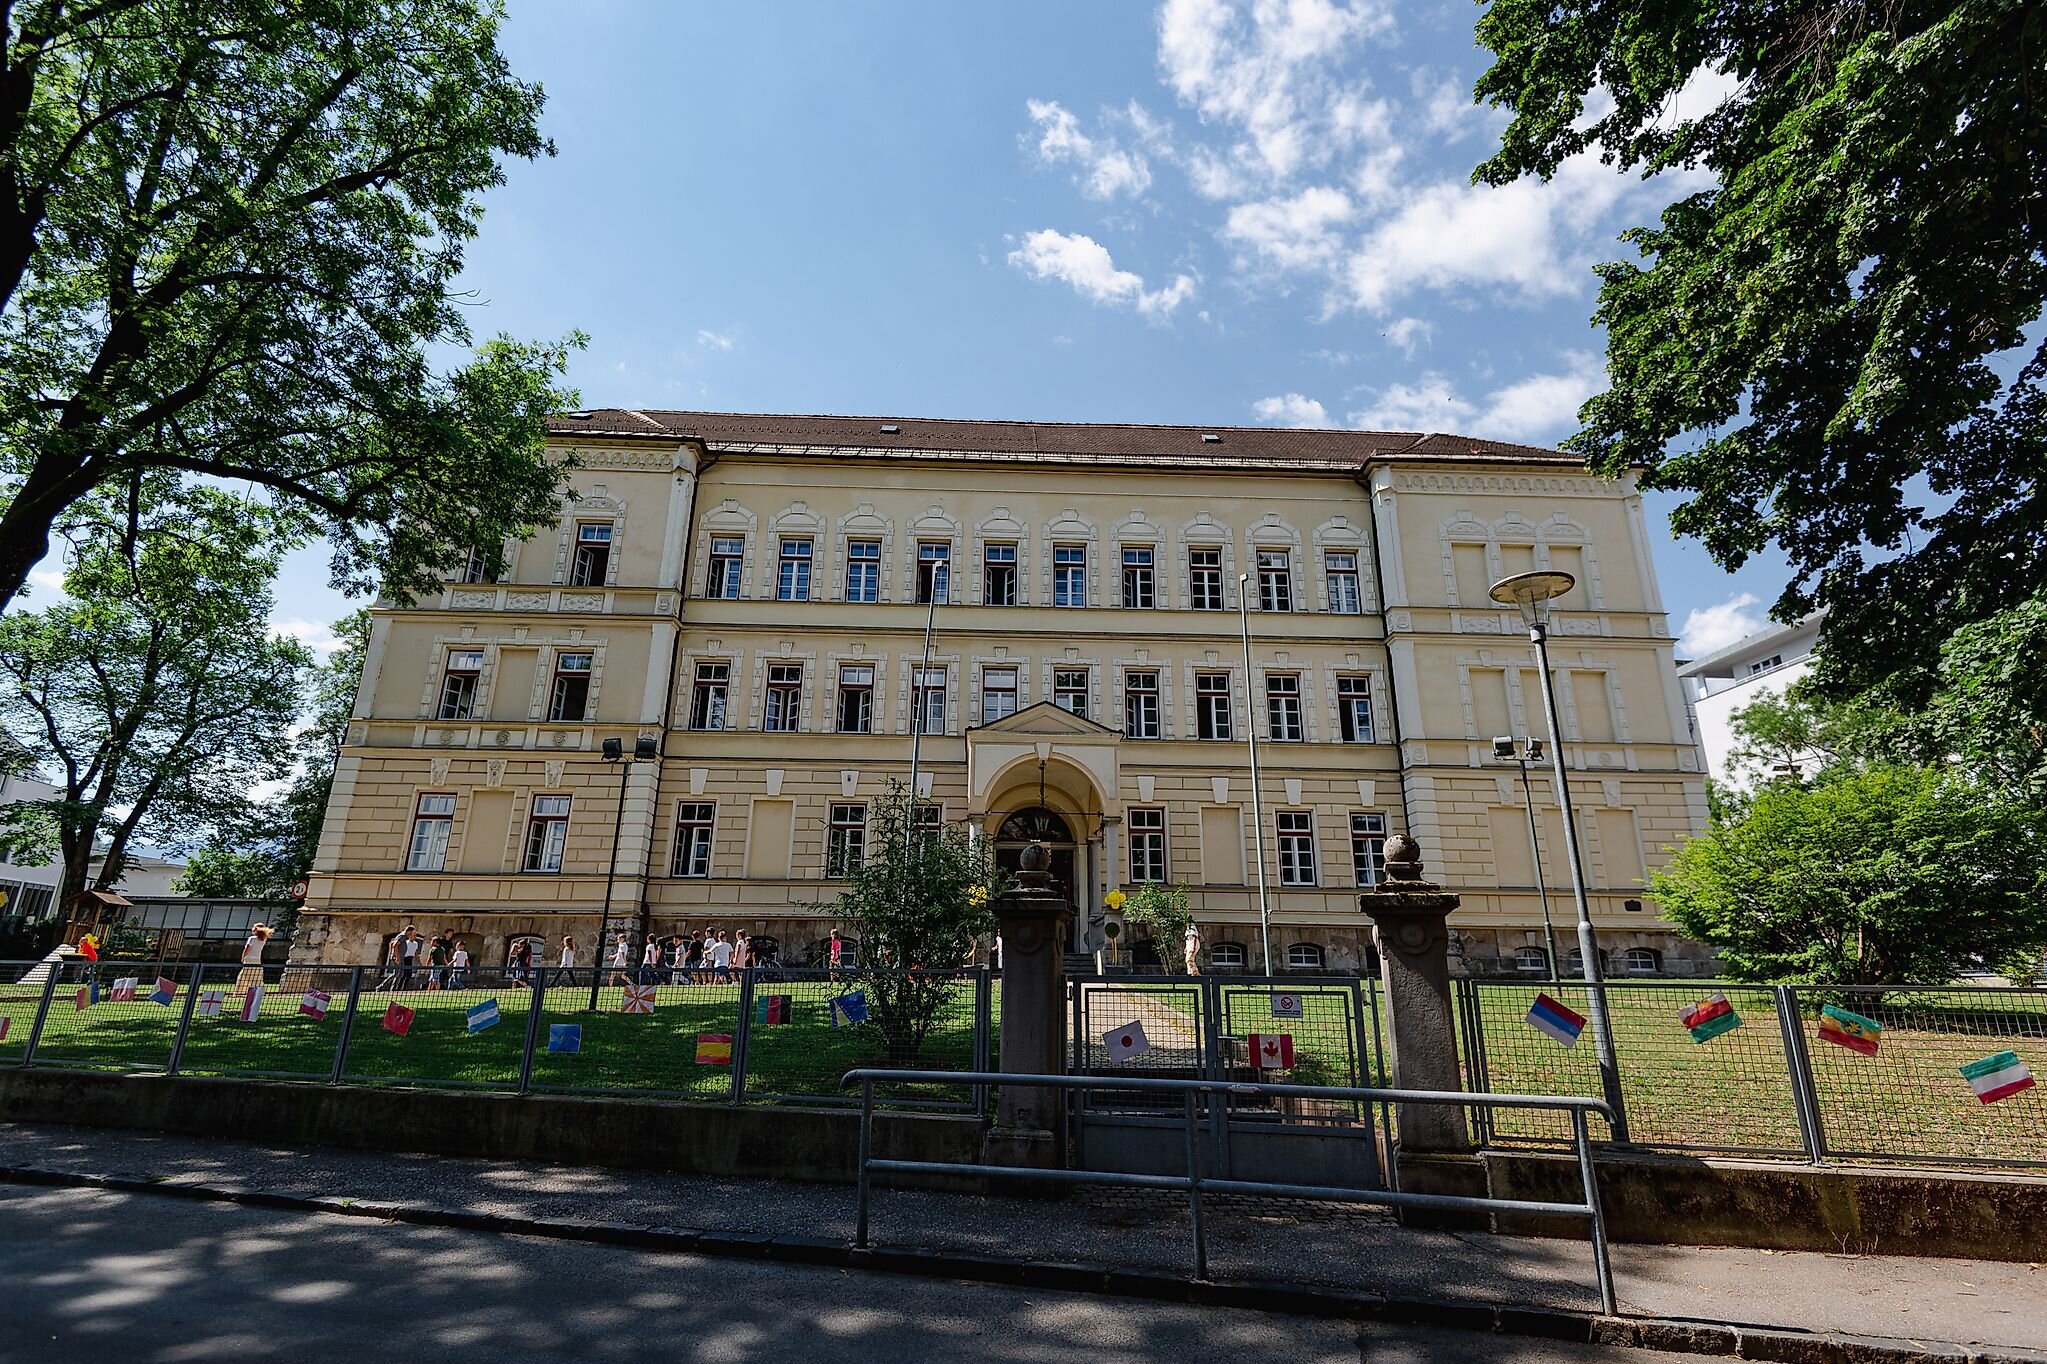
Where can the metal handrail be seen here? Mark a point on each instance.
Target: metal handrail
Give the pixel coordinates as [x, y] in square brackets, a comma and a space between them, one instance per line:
[1193, 1182]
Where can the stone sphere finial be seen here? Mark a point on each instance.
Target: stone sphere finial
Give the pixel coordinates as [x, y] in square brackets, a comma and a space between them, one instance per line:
[1403, 858]
[1033, 867]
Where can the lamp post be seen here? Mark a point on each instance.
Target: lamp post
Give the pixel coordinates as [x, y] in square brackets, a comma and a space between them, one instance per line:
[644, 750]
[1257, 804]
[1505, 751]
[941, 582]
[1532, 593]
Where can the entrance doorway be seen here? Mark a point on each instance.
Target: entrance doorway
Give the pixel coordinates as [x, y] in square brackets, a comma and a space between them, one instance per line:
[1038, 825]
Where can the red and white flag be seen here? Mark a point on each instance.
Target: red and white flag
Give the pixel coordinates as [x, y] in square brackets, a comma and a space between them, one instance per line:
[252, 1004]
[398, 1019]
[124, 990]
[313, 1003]
[1272, 1051]
[1128, 1040]
[639, 999]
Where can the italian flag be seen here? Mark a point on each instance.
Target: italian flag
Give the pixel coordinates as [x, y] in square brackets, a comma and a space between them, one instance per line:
[1997, 1077]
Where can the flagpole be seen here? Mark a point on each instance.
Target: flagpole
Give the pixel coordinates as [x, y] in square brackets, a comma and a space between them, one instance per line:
[1257, 803]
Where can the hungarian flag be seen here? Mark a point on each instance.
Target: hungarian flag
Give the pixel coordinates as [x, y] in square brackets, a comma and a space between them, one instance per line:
[398, 1019]
[639, 999]
[1272, 1050]
[714, 1049]
[252, 1004]
[1997, 1077]
[771, 1009]
[1128, 1040]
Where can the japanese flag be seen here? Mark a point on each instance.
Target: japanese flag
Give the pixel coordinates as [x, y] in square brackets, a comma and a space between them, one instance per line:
[1272, 1051]
[1128, 1040]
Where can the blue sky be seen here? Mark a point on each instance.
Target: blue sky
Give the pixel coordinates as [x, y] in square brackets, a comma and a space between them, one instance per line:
[1193, 211]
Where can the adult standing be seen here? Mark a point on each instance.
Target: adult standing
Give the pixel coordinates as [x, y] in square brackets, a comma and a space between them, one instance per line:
[408, 947]
[394, 963]
[252, 958]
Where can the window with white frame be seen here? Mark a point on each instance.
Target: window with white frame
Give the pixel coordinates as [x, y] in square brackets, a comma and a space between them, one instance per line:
[927, 706]
[1141, 704]
[863, 570]
[1641, 961]
[1340, 566]
[1368, 847]
[1354, 709]
[1275, 580]
[1138, 582]
[569, 699]
[547, 833]
[1304, 956]
[1531, 961]
[845, 841]
[782, 706]
[592, 560]
[483, 564]
[707, 697]
[998, 575]
[1147, 844]
[856, 698]
[728, 565]
[695, 822]
[1211, 705]
[1283, 707]
[1069, 690]
[1205, 578]
[1227, 956]
[431, 823]
[926, 818]
[458, 684]
[934, 571]
[1069, 575]
[1296, 847]
[792, 572]
[998, 694]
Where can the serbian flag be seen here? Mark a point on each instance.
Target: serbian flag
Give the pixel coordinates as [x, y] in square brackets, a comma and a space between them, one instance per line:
[1997, 1077]
[771, 1009]
[1272, 1050]
[166, 990]
[398, 1019]
[210, 1002]
[252, 1004]
[639, 999]
[1548, 1016]
[1128, 1040]
[1709, 1018]
[1850, 1030]
[313, 1003]
[123, 991]
[714, 1049]
[849, 1009]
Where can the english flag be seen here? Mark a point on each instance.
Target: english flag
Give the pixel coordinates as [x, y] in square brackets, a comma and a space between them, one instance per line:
[1272, 1051]
[1128, 1040]
[252, 1004]
[209, 1003]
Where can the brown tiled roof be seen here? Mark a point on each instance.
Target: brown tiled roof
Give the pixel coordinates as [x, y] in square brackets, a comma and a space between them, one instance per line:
[1048, 442]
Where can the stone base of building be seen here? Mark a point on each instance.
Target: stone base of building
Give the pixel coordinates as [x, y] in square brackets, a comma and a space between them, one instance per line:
[1651, 951]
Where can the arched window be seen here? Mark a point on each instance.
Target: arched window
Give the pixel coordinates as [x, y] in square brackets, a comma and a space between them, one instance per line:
[1641, 961]
[1304, 956]
[1226, 956]
[1035, 825]
[1531, 961]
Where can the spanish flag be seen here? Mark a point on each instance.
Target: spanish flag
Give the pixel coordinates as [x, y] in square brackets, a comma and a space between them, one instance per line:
[714, 1049]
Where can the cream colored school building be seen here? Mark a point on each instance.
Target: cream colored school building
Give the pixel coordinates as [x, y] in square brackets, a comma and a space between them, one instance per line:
[751, 593]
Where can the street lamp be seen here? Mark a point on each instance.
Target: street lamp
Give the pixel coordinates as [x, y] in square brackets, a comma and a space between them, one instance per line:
[1532, 593]
[644, 750]
[1505, 751]
[1257, 805]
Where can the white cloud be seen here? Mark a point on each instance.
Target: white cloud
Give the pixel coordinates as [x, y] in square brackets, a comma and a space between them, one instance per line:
[316, 635]
[1709, 629]
[1543, 405]
[1291, 409]
[49, 578]
[1432, 403]
[1085, 264]
[1105, 169]
[1408, 333]
[713, 340]
[1296, 233]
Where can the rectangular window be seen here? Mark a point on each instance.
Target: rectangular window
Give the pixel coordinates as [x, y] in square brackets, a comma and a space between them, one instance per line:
[1147, 845]
[728, 562]
[792, 574]
[707, 698]
[1205, 579]
[547, 833]
[1069, 690]
[1296, 847]
[431, 824]
[570, 699]
[934, 572]
[1211, 705]
[927, 707]
[863, 570]
[1275, 580]
[1341, 566]
[483, 565]
[1354, 709]
[998, 694]
[1368, 848]
[694, 824]
[782, 708]
[1069, 575]
[998, 575]
[1283, 707]
[458, 683]
[856, 699]
[593, 556]
[1137, 577]
[846, 842]
[1141, 705]
[927, 818]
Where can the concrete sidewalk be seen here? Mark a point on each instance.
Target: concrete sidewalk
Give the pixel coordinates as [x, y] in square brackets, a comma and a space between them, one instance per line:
[1971, 1303]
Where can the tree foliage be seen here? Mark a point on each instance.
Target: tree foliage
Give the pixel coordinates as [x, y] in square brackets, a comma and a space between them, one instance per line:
[1162, 912]
[230, 231]
[1843, 326]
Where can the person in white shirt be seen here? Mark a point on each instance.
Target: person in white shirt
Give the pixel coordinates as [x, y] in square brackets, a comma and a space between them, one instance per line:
[459, 965]
[621, 958]
[568, 958]
[721, 958]
[252, 957]
[650, 961]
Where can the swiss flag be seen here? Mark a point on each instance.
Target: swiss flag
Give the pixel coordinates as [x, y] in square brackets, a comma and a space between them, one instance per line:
[1272, 1051]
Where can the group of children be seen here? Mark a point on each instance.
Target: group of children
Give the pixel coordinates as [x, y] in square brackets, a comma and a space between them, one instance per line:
[704, 957]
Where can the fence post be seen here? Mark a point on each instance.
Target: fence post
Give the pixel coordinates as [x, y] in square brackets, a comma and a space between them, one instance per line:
[347, 1026]
[1805, 1099]
[185, 1018]
[35, 1031]
[983, 1013]
[536, 980]
[742, 1036]
[1479, 1077]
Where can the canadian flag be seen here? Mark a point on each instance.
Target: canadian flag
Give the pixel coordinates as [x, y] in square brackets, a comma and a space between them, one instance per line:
[1272, 1051]
[1128, 1040]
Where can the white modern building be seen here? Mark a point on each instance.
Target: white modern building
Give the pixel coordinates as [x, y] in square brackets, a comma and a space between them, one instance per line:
[1721, 683]
[26, 891]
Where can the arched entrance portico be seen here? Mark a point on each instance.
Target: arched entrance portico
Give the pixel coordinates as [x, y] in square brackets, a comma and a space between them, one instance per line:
[1036, 824]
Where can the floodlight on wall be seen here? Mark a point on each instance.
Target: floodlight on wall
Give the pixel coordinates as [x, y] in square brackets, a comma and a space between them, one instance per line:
[646, 749]
[1503, 747]
[614, 749]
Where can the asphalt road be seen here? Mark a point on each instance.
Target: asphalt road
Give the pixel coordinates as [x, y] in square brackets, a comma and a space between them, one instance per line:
[87, 1275]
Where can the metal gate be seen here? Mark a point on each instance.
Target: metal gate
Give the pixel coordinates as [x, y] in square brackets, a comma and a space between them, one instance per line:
[1201, 1027]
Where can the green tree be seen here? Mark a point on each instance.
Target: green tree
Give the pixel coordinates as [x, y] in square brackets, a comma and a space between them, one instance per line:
[918, 902]
[1162, 912]
[1843, 326]
[155, 697]
[230, 234]
[1876, 875]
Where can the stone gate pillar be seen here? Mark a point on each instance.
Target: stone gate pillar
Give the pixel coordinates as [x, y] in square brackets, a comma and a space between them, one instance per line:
[1410, 929]
[1030, 1123]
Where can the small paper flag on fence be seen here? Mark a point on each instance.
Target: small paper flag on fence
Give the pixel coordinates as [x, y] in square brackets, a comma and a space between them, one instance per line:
[398, 1019]
[1709, 1018]
[849, 1009]
[1286, 1006]
[313, 1003]
[1997, 1077]
[166, 991]
[1556, 1020]
[5, 1024]
[123, 991]
[81, 1002]
[639, 999]
[1272, 1051]
[252, 1004]
[565, 1037]
[772, 1009]
[484, 1015]
[714, 1049]
[1850, 1030]
[1128, 1040]
[210, 1002]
